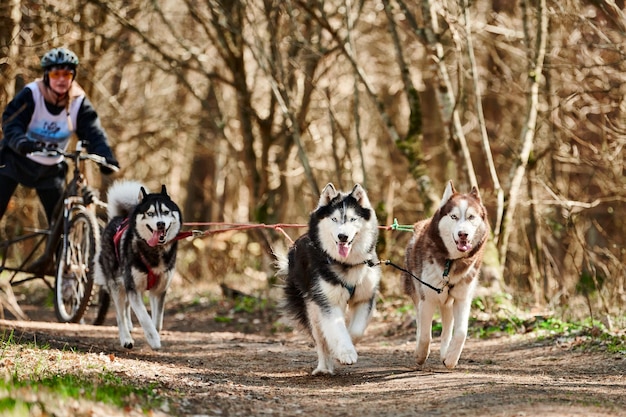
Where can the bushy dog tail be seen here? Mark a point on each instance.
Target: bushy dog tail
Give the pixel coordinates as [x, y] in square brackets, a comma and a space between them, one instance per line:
[122, 198]
[282, 261]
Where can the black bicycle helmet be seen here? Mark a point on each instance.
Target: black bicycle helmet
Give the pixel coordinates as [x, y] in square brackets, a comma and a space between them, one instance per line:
[57, 57]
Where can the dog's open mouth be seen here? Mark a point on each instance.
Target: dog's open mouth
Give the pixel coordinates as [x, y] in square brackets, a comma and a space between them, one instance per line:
[344, 249]
[463, 245]
[158, 237]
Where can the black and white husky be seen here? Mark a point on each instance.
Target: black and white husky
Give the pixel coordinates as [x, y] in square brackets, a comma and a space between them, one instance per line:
[138, 253]
[446, 252]
[332, 275]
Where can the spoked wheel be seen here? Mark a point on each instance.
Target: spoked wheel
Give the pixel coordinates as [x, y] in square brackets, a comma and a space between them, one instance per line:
[98, 306]
[75, 269]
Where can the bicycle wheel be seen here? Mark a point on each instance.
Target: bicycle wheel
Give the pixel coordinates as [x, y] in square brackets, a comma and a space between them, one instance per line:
[100, 299]
[98, 307]
[75, 268]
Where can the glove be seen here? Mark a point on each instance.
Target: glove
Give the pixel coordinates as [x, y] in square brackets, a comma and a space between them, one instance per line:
[111, 161]
[26, 146]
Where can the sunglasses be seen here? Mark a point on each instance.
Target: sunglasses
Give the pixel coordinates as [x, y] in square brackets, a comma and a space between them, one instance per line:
[56, 74]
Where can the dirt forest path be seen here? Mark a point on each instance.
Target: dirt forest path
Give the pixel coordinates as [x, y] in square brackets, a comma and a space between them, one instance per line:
[215, 372]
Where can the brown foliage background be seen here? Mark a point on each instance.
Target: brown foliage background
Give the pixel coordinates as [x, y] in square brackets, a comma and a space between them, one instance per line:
[246, 109]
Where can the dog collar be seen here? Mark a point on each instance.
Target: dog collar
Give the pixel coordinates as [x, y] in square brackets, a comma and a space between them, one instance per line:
[367, 262]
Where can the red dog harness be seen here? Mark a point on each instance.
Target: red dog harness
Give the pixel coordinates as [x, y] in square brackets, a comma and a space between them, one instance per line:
[153, 278]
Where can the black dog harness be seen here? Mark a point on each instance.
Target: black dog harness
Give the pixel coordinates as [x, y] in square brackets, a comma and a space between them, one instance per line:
[351, 288]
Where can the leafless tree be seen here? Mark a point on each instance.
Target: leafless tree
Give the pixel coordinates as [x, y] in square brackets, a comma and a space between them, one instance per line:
[245, 109]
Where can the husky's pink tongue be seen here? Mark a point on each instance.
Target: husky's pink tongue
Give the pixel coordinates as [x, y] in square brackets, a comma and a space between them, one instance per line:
[464, 246]
[154, 240]
[344, 249]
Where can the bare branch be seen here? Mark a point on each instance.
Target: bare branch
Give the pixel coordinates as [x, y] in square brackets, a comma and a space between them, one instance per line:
[528, 131]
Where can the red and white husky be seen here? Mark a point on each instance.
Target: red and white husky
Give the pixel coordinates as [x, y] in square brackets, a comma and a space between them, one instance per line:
[446, 252]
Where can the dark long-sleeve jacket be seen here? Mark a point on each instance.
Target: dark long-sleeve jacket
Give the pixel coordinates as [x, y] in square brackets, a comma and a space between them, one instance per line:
[15, 120]
[19, 111]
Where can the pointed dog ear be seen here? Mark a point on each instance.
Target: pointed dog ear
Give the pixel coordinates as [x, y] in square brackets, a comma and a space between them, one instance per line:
[328, 193]
[359, 194]
[447, 193]
[474, 193]
[143, 194]
[163, 190]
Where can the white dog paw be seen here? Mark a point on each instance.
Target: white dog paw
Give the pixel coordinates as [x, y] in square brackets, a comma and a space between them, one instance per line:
[421, 356]
[154, 341]
[347, 356]
[322, 371]
[155, 344]
[451, 358]
[450, 363]
[127, 343]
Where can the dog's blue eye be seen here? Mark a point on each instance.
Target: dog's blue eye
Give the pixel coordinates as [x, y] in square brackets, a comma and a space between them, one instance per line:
[352, 219]
[334, 219]
[454, 217]
[150, 214]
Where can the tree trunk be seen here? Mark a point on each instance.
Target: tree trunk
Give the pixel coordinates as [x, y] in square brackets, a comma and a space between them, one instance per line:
[528, 131]
[10, 26]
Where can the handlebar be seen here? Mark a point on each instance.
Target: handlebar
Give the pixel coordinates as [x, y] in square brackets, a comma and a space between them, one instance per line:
[77, 155]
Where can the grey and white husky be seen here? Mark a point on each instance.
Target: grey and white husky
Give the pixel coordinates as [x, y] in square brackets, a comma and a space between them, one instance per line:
[138, 253]
[446, 252]
[332, 275]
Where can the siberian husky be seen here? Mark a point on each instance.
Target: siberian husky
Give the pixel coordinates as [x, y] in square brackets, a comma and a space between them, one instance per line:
[446, 252]
[332, 275]
[138, 253]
